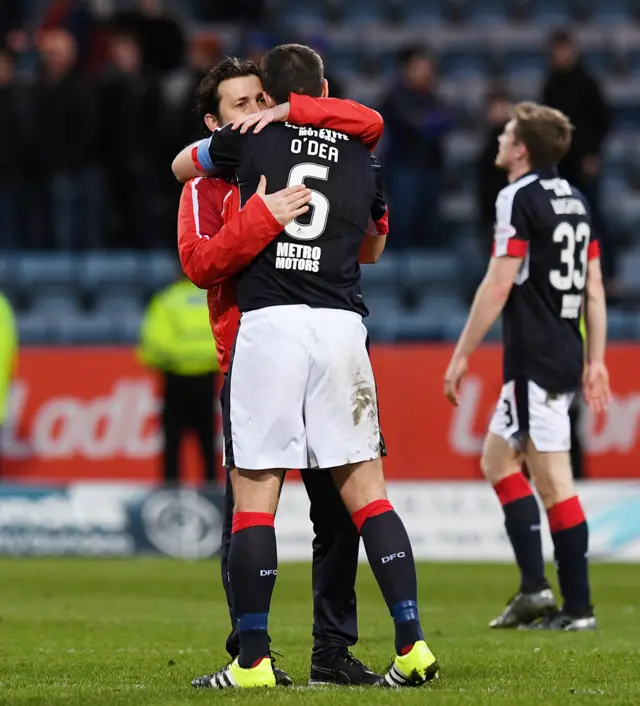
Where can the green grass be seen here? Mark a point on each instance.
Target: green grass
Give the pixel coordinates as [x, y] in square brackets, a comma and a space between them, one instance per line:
[137, 631]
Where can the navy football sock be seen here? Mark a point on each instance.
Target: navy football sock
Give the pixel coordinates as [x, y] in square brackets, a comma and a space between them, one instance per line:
[389, 551]
[570, 535]
[522, 522]
[252, 567]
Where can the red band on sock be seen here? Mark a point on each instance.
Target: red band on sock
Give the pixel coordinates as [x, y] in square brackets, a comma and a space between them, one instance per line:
[565, 515]
[512, 488]
[377, 507]
[244, 520]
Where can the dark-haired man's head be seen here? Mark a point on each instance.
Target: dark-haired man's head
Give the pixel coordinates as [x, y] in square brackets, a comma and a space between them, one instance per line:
[293, 68]
[417, 67]
[126, 53]
[59, 51]
[7, 68]
[563, 53]
[204, 52]
[498, 106]
[230, 90]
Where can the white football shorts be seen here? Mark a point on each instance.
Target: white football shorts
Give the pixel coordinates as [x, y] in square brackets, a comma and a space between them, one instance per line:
[526, 409]
[301, 390]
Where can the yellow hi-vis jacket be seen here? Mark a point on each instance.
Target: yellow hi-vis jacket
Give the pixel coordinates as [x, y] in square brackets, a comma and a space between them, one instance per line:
[176, 334]
[8, 353]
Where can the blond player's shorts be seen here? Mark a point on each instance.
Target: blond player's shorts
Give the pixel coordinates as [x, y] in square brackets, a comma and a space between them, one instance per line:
[526, 409]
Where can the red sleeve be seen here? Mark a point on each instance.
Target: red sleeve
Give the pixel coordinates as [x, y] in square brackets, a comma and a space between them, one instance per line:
[210, 250]
[379, 227]
[593, 252]
[337, 114]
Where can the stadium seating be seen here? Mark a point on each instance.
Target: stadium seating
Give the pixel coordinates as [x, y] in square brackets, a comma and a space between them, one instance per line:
[100, 297]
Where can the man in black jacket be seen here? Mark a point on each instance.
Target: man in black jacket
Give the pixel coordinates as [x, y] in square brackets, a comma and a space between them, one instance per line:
[13, 139]
[416, 124]
[64, 159]
[12, 16]
[570, 88]
[130, 110]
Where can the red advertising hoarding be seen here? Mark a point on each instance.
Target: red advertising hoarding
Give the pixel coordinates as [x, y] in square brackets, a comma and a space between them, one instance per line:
[93, 414]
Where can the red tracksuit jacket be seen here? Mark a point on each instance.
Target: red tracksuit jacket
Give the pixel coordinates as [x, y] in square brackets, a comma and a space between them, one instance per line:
[217, 239]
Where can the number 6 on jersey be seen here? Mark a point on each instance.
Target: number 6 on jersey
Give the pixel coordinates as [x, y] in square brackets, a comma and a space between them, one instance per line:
[320, 211]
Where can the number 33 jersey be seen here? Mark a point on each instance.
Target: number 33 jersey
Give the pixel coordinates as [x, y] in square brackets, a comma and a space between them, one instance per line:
[545, 221]
[314, 261]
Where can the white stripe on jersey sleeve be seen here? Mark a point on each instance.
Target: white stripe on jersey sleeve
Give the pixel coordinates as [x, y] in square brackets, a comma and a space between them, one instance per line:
[196, 207]
[504, 208]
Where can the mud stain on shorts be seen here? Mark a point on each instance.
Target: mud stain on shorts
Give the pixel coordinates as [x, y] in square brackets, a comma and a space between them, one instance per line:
[363, 400]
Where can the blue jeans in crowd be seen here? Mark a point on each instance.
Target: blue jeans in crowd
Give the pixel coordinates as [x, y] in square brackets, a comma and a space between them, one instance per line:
[414, 207]
[76, 200]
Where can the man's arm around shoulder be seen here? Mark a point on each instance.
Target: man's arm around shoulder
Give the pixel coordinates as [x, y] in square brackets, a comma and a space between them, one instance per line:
[217, 155]
[211, 250]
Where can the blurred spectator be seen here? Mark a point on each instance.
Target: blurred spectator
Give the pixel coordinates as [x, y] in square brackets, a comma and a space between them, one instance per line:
[160, 36]
[13, 142]
[8, 359]
[416, 123]
[76, 17]
[490, 179]
[569, 87]
[322, 46]
[256, 43]
[64, 153]
[12, 17]
[336, 89]
[131, 114]
[204, 53]
[243, 10]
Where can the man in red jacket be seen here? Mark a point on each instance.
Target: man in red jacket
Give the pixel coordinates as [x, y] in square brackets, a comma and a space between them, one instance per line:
[216, 241]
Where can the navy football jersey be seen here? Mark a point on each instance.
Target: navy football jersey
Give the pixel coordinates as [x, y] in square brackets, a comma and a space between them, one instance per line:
[314, 261]
[546, 221]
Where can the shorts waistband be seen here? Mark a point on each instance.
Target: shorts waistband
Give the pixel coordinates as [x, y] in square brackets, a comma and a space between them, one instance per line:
[292, 310]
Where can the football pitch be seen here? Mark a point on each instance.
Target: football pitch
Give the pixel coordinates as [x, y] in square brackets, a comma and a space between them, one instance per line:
[81, 631]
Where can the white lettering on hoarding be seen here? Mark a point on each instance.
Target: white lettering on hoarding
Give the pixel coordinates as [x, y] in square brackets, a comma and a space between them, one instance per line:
[617, 432]
[63, 511]
[462, 437]
[97, 428]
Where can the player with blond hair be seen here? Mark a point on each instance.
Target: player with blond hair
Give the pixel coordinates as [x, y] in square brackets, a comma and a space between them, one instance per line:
[546, 259]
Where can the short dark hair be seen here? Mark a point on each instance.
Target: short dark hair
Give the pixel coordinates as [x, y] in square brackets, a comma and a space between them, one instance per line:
[292, 68]
[560, 37]
[409, 52]
[208, 94]
[497, 94]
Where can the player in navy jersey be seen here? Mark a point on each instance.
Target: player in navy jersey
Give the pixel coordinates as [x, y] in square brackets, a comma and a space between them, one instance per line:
[301, 390]
[545, 261]
[217, 240]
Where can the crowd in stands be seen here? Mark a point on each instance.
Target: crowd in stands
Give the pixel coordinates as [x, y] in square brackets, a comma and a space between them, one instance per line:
[93, 106]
